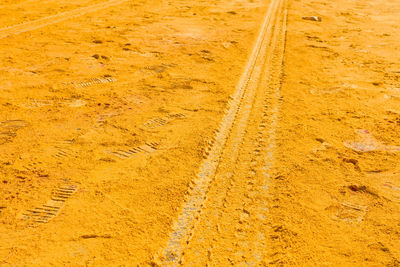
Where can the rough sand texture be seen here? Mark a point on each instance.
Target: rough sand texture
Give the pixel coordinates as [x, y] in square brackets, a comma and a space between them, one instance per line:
[108, 116]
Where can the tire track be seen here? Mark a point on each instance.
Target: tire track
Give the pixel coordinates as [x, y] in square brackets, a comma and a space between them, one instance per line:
[232, 128]
[231, 229]
[43, 22]
[268, 139]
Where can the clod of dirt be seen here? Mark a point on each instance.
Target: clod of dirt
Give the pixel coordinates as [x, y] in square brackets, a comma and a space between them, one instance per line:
[97, 41]
[226, 45]
[208, 59]
[356, 188]
[246, 211]
[156, 262]
[362, 189]
[313, 18]
[352, 161]
[320, 140]
[96, 56]
[379, 246]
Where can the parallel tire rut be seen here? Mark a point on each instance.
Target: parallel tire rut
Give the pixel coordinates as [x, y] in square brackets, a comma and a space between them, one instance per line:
[232, 228]
[223, 160]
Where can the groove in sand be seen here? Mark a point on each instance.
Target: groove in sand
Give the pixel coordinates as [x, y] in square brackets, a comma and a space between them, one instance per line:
[40, 23]
[181, 232]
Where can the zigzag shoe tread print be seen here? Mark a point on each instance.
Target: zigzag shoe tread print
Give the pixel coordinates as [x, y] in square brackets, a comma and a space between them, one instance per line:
[61, 153]
[158, 122]
[147, 148]
[48, 211]
[91, 82]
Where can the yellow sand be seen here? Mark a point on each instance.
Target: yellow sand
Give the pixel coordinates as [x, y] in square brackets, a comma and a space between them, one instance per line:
[108, 111]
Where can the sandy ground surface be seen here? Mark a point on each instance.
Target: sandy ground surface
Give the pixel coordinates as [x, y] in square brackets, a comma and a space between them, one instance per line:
[118, 146]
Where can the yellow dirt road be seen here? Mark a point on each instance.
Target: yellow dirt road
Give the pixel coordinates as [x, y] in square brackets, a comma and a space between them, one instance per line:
[199, 133]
